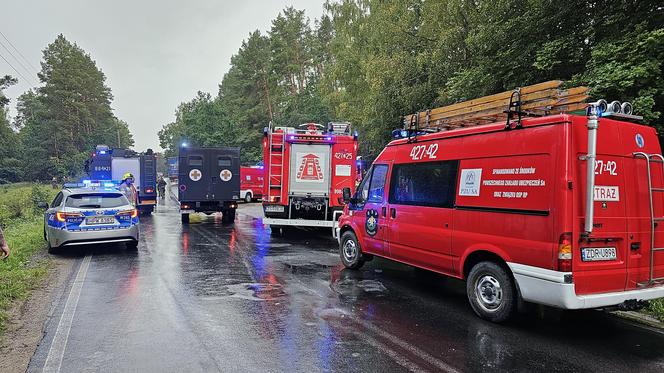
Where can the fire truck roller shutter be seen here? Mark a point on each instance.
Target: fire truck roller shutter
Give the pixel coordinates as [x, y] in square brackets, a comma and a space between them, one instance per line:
[310, 169]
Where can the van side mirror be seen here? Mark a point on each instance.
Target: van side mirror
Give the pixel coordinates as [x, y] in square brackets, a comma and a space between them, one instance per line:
[346, 195]
[42, 205]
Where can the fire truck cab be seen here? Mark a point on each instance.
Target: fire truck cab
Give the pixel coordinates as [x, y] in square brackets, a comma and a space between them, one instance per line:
[306, 170]
[517, 213]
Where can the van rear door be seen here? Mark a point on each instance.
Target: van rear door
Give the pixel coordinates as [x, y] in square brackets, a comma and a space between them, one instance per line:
[193, 176]
[224, 168]
[600, 261]
[636, 138]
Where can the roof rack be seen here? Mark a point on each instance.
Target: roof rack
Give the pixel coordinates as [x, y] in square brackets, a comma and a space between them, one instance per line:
[510, 106]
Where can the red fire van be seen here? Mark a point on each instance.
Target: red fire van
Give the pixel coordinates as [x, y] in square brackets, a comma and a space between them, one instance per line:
[251, 183]
[506, 209]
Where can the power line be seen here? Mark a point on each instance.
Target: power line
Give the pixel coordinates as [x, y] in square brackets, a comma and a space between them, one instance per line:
[36, 70]
[17, 60]
[18, 72]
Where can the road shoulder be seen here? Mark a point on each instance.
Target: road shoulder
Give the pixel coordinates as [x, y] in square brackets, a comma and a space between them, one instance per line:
[28, 318]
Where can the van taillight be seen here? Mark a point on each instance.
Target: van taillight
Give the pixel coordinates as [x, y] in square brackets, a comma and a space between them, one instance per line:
[565, 252]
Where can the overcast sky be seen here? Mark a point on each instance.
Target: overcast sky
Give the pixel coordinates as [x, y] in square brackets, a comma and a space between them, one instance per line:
[155, 53]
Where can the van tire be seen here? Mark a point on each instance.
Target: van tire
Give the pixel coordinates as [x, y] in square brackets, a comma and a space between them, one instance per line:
[248, 198]
[184, 218]
[499, 300]
[350, 251]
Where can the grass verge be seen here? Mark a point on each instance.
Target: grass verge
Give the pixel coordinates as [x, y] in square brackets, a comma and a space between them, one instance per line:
[656, 309]
[22, 225]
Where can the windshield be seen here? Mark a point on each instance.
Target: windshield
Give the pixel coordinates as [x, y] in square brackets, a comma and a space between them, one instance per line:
[96, 201]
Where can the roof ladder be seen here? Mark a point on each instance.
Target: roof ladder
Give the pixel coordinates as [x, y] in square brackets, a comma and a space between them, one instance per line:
[652, 158]
[276, 168]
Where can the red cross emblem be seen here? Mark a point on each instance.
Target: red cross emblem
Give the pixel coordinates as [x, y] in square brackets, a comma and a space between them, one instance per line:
[195, 174]
[225, 175]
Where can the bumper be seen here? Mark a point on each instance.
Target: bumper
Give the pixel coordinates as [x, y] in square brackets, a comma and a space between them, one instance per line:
[59, 237]
[548, 287]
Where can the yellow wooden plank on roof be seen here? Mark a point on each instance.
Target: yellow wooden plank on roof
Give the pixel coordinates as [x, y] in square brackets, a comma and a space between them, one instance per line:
[498, 96]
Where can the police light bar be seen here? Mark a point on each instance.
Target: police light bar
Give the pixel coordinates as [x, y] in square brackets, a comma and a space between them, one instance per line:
[107, 184]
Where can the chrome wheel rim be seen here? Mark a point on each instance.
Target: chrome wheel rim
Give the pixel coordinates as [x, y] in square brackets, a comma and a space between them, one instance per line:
[489, 292]
[349, 250]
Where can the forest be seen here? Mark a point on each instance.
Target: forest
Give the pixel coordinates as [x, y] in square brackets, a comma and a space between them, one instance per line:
[58, 123]
[370, 62]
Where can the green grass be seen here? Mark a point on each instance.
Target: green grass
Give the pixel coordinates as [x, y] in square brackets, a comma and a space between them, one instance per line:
[656, 308]
[22, 224]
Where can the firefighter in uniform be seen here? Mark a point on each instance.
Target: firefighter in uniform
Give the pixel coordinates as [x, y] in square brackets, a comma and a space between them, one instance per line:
[128, 189]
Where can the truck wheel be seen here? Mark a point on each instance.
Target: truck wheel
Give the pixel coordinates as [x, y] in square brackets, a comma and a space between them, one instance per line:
[185, 218]
[350, 251]
[248, 198]
[491, 292]
[228, 216]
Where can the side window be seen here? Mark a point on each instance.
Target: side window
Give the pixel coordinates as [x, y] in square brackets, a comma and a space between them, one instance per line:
[363, 189]
[224, 162]
[248, 177]
[377, 184]
[424, 184]
[57, 200]
[195, 160]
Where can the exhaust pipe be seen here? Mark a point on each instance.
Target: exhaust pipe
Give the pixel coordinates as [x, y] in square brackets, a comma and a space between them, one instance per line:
[594, 112]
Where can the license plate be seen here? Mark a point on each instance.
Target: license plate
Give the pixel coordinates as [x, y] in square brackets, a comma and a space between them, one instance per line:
[274, 208]
[100, 220]
[595, 254]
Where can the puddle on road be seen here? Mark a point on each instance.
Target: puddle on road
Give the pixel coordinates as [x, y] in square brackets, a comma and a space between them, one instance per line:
[256, 291]
[352, 287]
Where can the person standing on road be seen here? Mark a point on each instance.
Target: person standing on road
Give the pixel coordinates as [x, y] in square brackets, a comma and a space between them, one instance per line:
[161, 186]
[128, 189]
[4, 248]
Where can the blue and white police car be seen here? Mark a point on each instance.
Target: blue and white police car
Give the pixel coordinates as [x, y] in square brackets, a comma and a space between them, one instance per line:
[90, 213]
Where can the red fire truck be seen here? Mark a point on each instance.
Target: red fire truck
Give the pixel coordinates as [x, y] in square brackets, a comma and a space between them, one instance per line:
[513, 208]
[306, 170]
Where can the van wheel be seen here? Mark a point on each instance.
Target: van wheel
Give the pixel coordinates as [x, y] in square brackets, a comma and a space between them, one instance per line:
[247, 198]
[491, 292]
[185, 218]
[350, 251]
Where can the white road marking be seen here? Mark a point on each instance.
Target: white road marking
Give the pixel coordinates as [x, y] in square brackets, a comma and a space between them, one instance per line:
[57, 351]
[398, 358]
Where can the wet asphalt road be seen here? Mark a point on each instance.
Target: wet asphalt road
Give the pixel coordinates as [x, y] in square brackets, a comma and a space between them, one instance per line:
[237, 298]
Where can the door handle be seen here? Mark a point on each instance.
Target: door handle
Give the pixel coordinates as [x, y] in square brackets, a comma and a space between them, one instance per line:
[384, 211]
[393, 213]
